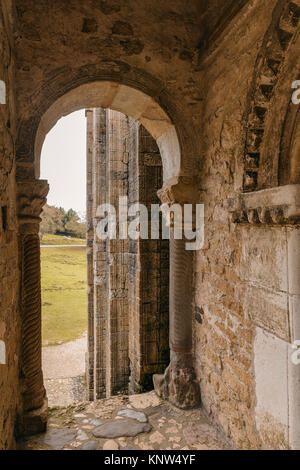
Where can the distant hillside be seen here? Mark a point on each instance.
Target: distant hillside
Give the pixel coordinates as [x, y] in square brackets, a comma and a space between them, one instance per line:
[59, 222]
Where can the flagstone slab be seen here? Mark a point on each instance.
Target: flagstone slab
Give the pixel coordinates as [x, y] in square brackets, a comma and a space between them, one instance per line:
[91, 445]
[121, 428]
[59, 438]
[137, 415]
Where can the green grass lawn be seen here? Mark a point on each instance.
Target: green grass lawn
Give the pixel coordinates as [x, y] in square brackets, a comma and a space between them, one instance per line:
[49, 239]
[64, 298]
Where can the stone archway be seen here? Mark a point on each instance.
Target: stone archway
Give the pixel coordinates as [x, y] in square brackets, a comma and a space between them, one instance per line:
[126, 100]
[178, 384]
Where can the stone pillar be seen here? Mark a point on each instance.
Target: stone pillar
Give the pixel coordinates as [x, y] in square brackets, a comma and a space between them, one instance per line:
[90, 242]
[31, 199]
[117, 364]
[96, 254]
[179, 384]
[99, 252]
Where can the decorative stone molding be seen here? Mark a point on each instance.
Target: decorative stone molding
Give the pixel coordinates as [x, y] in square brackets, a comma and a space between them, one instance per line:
[31, 199]
[268, 69]
[275, 206]
[180, 190]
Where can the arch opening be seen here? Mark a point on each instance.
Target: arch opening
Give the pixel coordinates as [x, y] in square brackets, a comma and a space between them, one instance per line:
[63, 262]
[127, 320]
[126, 100]
[178, 186]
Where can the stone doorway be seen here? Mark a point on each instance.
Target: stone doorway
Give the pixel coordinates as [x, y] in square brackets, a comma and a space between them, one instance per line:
[63, 262]
[178, 383]
[128, 280]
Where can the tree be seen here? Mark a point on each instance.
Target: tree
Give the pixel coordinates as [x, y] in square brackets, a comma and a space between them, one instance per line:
[58, 221]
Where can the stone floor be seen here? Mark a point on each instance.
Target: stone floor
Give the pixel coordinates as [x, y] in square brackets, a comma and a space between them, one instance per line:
[137, 422]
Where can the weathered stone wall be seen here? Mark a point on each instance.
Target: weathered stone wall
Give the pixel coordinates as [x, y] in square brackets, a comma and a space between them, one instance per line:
[241, 322]
[9, 276]
[206, 67]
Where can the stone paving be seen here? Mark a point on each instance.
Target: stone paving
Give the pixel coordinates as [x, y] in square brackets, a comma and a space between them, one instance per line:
[137, 422]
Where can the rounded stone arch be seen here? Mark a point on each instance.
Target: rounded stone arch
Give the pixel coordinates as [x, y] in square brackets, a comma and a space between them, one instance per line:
[124, 99]
[277, 67]
[132, 93]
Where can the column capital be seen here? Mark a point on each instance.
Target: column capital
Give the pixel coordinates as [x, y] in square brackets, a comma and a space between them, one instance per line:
[31, 197]
[179, 190]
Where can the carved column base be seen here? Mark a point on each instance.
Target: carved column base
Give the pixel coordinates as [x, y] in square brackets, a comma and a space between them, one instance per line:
[35, 422]
[178, 385]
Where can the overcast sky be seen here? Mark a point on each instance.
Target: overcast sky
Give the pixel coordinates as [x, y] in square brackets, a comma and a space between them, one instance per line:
[63, 162]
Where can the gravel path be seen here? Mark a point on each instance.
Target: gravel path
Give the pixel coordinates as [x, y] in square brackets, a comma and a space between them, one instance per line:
[64, 370]
[65, 360]
[65, 392]
[63, 246]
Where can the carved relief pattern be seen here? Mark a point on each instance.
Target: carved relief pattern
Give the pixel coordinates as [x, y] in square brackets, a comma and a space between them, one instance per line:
[268, 69]
[31, 198]
[181, 294]
[274, 206]
[31, 325]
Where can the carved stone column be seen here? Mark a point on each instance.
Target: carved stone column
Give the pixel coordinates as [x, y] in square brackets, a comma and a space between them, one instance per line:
[179, 384]
[31, 199]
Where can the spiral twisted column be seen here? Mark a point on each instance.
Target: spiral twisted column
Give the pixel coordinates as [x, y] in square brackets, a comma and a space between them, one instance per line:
[31, 199]
[179, 384]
